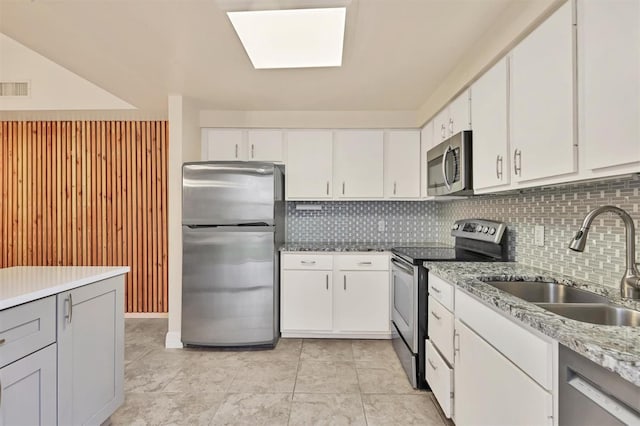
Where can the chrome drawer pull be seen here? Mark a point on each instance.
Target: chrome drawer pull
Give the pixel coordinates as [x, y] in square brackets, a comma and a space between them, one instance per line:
[2, 341]
[365, 263]
[432, 364]
[435, 316]
[308, 262]
[435, 289]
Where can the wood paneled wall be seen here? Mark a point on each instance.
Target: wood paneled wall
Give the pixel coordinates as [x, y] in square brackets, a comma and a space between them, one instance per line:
[88, 193]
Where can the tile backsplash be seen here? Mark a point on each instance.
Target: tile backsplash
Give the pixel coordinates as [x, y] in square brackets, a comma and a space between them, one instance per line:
[559, 209]
[357, 221]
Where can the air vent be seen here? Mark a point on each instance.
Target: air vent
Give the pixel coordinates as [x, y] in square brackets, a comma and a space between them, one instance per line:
[14, 88]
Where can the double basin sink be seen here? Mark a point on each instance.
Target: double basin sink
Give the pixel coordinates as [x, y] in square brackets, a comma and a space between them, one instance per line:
[570, 302]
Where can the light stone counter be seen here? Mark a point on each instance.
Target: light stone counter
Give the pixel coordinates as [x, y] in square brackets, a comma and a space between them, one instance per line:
[615, 348]
[23, 284]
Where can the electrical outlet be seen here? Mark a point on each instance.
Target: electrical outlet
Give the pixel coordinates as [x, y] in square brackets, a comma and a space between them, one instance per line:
[381, 225]
[539, 235]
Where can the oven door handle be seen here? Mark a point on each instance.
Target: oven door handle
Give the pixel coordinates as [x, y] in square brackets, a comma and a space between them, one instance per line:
[444, 167]
[400, 265]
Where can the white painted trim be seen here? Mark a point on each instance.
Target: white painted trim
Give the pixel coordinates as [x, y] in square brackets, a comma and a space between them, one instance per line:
[173, 340]
[146, 315]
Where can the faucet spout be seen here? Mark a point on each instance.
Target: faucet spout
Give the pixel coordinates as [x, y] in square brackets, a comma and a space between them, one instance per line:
[630, 283]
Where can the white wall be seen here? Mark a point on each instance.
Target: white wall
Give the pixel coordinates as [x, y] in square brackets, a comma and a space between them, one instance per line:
[184, 145]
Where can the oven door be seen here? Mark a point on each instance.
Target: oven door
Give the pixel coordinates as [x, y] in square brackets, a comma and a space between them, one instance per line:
[404, 312]
[449, 166]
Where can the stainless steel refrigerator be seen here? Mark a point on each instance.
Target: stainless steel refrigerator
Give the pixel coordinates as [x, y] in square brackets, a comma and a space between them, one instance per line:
[232, 225]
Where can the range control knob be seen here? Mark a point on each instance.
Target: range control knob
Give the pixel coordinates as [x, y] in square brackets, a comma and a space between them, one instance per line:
[478, 228]
[455, 226]
[485, 229]
[492, 231]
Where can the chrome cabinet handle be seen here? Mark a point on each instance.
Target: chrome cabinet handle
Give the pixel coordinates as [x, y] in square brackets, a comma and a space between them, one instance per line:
[365, 263]
[327, 187]
[342, 188]
[327, 281]
[308, 262]
[451, 126]
[435, 289]
[2, 342]
[456, 342]
[499, 167]
[444, 167]
[443, 131]
[251, 150]
[395, 186]
[344, 279]
[432, 364]
[236, 150]
[70, 308]
[435, 316]
[517, 162]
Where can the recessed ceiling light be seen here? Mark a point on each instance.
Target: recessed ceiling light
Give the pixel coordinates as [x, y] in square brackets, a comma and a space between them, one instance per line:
[292, 38]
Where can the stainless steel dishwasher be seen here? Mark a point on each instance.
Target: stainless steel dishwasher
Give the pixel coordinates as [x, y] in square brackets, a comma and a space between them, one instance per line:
[593, 395]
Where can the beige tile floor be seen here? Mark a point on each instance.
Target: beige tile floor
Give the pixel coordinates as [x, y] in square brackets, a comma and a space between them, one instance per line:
[300, 382]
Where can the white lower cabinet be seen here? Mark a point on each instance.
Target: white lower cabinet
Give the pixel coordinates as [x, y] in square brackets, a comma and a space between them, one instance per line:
[306, 300]
[28, 390]
[439, 375]
[491, 390]
[325, 295]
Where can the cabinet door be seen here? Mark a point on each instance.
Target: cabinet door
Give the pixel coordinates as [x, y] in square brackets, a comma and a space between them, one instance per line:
[490, 145]
[459, 114]
[305, 300]
[91, 352]
[358, 159]
[490, 390]
[402, 164]
[265, 145]
[542, 101]
[609, 87]
[225, 145]
[28, 389]
[309, 164]
[361, 301]
[427, 141]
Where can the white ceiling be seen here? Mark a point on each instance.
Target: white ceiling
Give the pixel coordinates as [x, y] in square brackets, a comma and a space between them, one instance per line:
[396, 52]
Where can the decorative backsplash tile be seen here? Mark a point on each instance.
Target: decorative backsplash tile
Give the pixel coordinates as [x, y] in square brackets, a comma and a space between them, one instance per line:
[357, 221]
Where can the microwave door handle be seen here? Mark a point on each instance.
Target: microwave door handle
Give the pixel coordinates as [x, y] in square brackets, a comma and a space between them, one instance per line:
[444, 167]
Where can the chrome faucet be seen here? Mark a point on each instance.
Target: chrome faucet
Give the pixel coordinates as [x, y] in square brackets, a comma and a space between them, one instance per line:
[630, 283]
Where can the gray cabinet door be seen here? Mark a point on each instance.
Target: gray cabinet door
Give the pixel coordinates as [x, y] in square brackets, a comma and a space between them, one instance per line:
[28, 390]
[90, 352]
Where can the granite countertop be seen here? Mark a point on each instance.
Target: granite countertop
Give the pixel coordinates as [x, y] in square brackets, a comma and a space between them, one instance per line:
[22, 284]
[616, 348]
[340, 246]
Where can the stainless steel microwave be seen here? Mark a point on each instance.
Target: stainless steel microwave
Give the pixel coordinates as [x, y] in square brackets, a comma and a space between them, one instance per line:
[449, 166]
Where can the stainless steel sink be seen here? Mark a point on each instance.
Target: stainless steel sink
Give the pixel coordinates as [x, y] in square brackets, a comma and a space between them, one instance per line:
[595, 313]
[546, 292]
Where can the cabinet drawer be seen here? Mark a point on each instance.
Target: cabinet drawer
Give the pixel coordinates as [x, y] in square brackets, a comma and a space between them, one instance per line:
[307, 261]
[27, 328]
[362, 262]
[530, 353]
[441, 290]
[440, 326]
[440, 378]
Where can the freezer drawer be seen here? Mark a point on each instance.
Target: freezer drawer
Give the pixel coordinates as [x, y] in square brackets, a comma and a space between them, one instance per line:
[229, 193]
[229, 286]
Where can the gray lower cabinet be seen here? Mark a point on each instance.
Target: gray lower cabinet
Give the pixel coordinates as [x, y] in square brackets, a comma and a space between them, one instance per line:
[28, 390]
[90, 352]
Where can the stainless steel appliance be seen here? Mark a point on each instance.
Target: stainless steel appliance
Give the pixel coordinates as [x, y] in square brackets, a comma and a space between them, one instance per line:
[476, 240]
[232, 223]
[449, 166]
[591, 395]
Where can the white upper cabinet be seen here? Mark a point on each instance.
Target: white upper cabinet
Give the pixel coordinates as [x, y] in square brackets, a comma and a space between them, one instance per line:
[609, 84]
[542, 100]
[490, 144]
[224, 144]
[426, 143]
[242, 145]
[453, 119]
[358, 163]
[309, 164]
[264, 145]
[402, 164]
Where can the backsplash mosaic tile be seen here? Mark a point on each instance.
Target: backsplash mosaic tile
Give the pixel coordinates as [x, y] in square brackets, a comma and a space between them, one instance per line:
[561, 211]
[357, 221]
